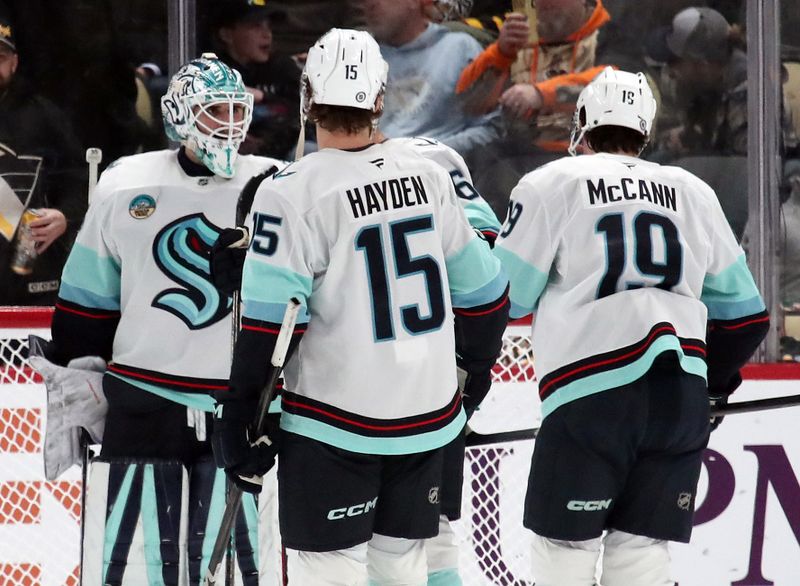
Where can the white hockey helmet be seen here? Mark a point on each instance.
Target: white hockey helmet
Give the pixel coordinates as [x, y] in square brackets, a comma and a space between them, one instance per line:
[343, 68]
[196, 87]
[449, 10]
[614, 98]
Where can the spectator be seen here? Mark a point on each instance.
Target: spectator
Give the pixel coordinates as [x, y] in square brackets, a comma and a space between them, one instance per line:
[703, 86]
[425, 60]
[40, 163]
[243, 31]
[536, 84]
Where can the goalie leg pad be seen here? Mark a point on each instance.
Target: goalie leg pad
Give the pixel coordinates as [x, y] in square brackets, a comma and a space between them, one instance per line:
[442, 553]
[343, 567]
[257, 552]
[635, 560]
[135, 523]
[564, 563]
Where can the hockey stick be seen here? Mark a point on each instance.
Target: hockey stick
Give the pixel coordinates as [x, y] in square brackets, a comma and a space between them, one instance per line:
[267, 393]
[756, 405]
[475, 439]
[479, 439]
[243, 205]
[93, 157]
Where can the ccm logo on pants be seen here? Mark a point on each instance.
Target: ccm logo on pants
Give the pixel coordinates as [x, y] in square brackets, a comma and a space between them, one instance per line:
[589, 505]
[353, 511]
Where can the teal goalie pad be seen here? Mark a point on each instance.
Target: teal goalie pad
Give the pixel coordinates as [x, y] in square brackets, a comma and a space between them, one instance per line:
[153, 523]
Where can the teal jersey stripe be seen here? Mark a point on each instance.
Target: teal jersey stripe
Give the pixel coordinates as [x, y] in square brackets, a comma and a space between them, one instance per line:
[486, 294]
[618, 377]
[98, 275]
[114, 518]
[86, 298]
[527, 282]
[480, 216]
[193, 400]
[447, 577]
[266, 283]
[471, 269]
[517, 311]
[271, 312]
[732, 293]
[735, 310]
[381, 446]
[150, 529]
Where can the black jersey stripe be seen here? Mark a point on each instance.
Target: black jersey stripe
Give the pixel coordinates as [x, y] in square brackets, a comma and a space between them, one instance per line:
[615, 359]
[368, 426]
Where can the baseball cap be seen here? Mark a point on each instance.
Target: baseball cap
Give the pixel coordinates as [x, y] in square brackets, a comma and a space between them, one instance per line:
[7, 34]
[697, 33]
[229, 12]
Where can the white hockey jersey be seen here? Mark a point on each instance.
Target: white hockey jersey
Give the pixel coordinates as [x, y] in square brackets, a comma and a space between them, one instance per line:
[478, 212]
[143, 254]
[620, 259]
[377, 248]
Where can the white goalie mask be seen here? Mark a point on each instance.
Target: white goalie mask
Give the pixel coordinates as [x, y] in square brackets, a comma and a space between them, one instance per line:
[190, 119]
[614, 98]
[343, 68]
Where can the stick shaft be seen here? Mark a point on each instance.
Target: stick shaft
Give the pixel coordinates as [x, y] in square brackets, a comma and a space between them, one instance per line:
[265, 398]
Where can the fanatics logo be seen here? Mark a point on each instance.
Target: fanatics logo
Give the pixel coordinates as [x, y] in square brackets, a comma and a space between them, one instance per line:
[433, 495]
[684, 500]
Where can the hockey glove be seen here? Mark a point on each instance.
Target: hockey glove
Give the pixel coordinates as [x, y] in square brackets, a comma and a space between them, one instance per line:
[717, 401]
[75, 400]
[474, 384]
[718, 397]
[244, 459]
[227, 259]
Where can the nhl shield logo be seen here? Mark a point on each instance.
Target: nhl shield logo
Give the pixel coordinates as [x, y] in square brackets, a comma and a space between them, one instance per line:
[142, 206]
[684, 501]
[433, 495]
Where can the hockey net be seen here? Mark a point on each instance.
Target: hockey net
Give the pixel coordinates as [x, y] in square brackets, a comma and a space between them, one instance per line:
[40, 520]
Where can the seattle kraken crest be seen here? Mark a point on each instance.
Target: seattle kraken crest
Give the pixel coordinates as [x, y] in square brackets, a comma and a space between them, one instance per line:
[181, 250]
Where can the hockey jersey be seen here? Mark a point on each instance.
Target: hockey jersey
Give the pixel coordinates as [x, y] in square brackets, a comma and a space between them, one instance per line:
[621, 260]
[479, 213]
[375, 245]
[142, 258]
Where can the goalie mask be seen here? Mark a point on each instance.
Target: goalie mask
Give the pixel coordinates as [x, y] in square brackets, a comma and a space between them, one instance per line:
[193, 117]
[614, 98]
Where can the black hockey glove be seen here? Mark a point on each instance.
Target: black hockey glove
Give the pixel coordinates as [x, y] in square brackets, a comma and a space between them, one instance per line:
[227, 259]
[717, 401]
[244, 459]
[474, 382]
[718, 397]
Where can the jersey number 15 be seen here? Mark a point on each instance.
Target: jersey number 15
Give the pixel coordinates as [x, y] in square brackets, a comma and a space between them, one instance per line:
[370, 241]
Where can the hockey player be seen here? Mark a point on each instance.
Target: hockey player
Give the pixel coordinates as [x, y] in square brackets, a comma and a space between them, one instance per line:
[136, 291]
[370, 237]
[645, 310]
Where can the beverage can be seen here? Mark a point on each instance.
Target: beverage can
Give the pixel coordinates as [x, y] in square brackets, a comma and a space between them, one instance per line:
[528, 8]
[25, 248]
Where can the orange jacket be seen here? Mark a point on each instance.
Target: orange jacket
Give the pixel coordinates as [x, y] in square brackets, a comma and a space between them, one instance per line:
[559, 72]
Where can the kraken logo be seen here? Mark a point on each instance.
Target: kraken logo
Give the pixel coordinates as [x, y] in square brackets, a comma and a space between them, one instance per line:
[181, 250]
